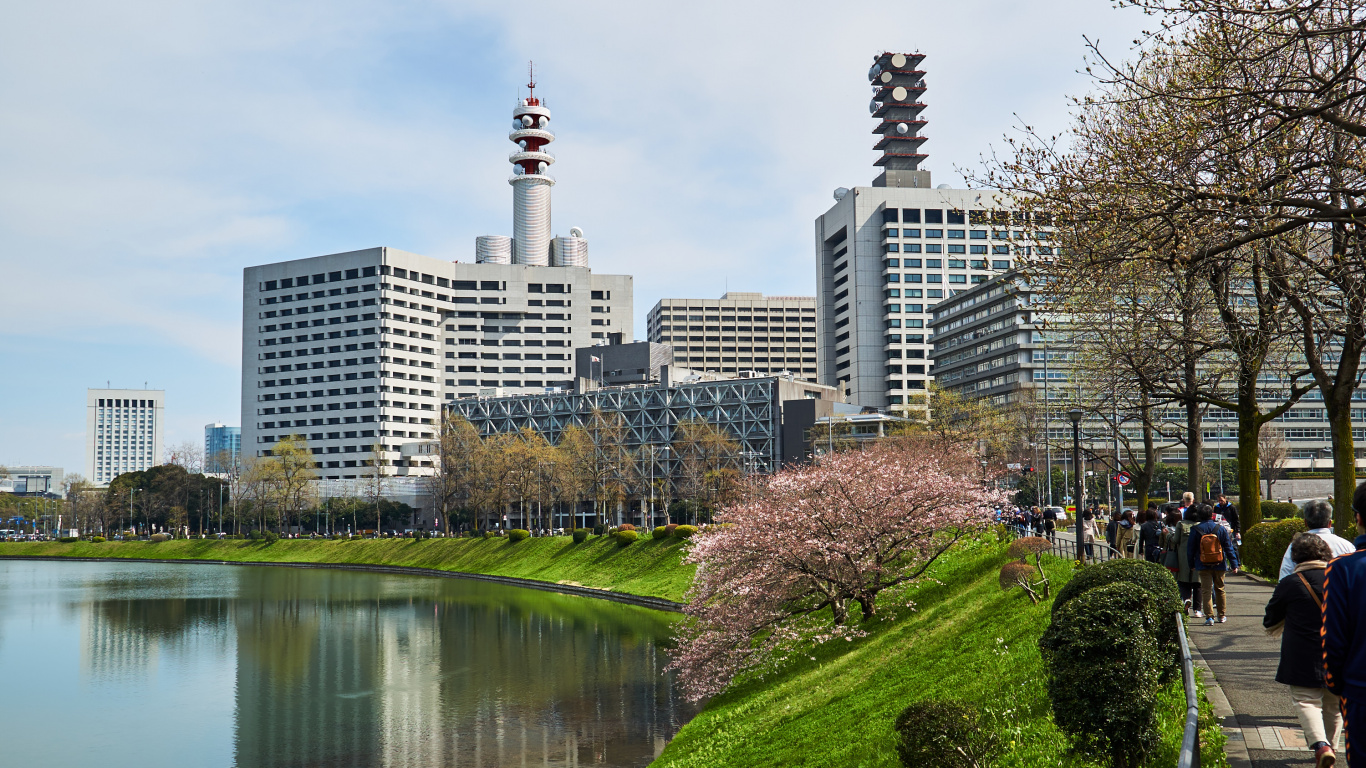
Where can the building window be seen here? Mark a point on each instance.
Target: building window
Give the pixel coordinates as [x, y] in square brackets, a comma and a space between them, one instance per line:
[934, 248]
[912, 248]
[934, 278]
[1000, 264]
[978, 234]
[910, 233]
[956, 234]
[957, 264]
[910, 215]
[931, 233]
[889, 214]
[893, 248]
[915, 278]
[956, 249]
[934, 216]
[958, 278]
[979, 250]
[889, 263]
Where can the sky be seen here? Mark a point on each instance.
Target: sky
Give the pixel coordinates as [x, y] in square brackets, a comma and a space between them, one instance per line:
[150, 150]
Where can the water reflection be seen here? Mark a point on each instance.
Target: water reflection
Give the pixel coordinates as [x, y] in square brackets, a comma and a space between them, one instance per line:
[350, 669]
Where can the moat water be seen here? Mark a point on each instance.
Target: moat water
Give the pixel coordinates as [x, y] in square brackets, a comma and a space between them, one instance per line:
[146, 664]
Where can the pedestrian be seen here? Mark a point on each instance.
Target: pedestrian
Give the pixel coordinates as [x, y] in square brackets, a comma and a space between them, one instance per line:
[1124, 534]
[1229, 513]
[1211, 553]
[1344, 631]
[1050, 522]
[1112, 531]
[1036, 519]
[1089, 529]
[1318, 518]
[1179, 562]
[1150, 536]
[1296, 610]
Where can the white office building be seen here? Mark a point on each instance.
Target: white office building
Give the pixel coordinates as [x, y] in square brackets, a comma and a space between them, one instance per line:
[739, 332]
[355, 349]
[886, 254]
[123, 431]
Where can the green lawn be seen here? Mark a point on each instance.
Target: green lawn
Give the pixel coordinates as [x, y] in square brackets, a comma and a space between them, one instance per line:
[648, 567]
[966, 640]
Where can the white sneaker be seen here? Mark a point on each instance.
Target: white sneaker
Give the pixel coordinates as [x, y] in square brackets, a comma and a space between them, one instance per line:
[1223, 619]
[1199, 614]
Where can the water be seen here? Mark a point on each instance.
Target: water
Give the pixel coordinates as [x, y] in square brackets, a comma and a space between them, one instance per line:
[145, 664]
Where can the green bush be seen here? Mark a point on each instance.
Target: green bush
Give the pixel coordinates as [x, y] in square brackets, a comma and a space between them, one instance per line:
[517, 534]
[599, 530]
[945, 734]
[1150, 577]
[626, 537]
[660, 532]
[1264, 545]
[160, 537]
[96, 539]
[271, 537]
[685, 531]
[1104, 665]
[1280, 510]
[336, 536]
[69, 539]
[488, 534]
[581, 535]
[254, 535]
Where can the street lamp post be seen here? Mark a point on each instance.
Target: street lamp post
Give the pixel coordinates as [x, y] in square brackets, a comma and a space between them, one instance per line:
[1075, 414]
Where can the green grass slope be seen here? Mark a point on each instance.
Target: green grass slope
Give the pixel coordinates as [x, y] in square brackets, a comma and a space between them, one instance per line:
[966, 640]
[652, 568]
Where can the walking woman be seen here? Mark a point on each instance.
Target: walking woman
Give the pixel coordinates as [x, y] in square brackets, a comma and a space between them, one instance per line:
[1178, 562]
[1124, 534]
[1150, 536]
[1089, 529]
[1296, 610]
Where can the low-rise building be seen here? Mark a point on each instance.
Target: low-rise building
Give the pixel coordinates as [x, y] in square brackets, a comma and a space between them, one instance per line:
[32, 480]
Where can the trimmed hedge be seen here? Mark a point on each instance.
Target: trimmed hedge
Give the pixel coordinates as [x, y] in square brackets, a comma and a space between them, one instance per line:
[517, 534]
[1105, 666]
[69, 539]
[685, 531]
[1152, 578]
[581, 535]
[626, 527]
[1280, 509]
[626, 537]
[1264, 545]
[97, 539]
[945, 734]
[159, 537]
[660, 532]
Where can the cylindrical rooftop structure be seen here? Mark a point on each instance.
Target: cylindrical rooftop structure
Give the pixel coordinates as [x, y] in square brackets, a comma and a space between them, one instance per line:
[493, 249]
[569, 252]
[530, 183]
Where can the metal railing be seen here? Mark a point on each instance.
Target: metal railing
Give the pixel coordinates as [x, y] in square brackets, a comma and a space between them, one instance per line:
[1190, 739]
[1065, 545]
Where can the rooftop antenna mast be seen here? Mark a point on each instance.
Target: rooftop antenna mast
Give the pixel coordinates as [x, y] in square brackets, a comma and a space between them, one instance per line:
[531, 84]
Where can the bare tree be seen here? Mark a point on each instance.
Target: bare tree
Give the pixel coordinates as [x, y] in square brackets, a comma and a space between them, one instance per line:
[188, 455]
[1274, 452]
[376, 479]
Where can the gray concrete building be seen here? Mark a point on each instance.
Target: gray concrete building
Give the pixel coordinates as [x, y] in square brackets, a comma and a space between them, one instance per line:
[739, 332]
[124, 431]
[355, 349]
[616, 364]
[32, 480]
[888, 253]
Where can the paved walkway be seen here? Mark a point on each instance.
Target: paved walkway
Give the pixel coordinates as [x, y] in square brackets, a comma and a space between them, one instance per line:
[1255, 709]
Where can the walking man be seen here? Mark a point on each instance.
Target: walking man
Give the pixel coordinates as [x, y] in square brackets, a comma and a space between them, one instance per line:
[1229, 513]
[1344, 633]
[1318, 518]
[1211, 553]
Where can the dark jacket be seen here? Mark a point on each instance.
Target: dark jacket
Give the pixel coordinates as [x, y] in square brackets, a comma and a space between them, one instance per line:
[1230, 514]
[1301, 650]
[1150, 538]
[1344, 623]
[1193, 547]
[1112, 531]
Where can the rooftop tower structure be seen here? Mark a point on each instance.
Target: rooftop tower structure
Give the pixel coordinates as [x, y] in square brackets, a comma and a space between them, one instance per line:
[898, 84]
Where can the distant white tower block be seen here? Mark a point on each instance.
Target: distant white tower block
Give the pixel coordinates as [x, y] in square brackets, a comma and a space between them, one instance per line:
[530, 183]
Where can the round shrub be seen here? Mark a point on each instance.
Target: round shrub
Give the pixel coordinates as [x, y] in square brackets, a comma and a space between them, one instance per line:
[670, 528]
[685, 531]
[96, 539]
[336, 536]
[660, 532]
[488, 534]
[1280, 510]
[626, 537]
[931, 733]
[1264, 545]
[581, 535]
[254, 535]
[1152, 578]
[626, 527]
[160, 537]
[270, 537]
[599, 530]
[1104, 665]
[68, 539]
[517, 534]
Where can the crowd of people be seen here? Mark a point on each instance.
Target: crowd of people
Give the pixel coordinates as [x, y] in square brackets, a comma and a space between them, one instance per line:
[1318, 607]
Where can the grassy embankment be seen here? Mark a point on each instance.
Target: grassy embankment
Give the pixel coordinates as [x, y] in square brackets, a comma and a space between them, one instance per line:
[648, 567]
[966, 640]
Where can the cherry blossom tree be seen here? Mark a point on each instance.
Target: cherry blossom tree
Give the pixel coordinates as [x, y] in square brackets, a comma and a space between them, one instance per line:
[783, 568]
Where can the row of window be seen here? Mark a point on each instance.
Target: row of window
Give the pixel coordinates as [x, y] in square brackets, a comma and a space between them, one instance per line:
[976, 217]
[953, 279]
[506, 369]
[914, 293]
[509, 356]
[105, 402]
[939, 264]
[318, 279]
[533, 383]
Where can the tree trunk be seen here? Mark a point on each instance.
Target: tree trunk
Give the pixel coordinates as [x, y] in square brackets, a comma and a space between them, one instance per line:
[1249, 454]
[1344, 461]
[1195, 449]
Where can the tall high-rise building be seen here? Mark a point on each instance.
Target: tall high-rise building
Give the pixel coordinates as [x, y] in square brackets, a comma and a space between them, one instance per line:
[222, 447]
[351, 350]
[886, 254]
[739, 332]
[123, 431]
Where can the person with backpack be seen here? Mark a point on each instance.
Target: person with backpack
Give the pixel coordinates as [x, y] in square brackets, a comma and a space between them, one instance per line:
[1211, 554]
[1296, 610]
[1150, 536]
[1179, 561]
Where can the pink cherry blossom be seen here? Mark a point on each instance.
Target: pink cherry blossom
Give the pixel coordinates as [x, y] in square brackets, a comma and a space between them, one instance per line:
[784, 568]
